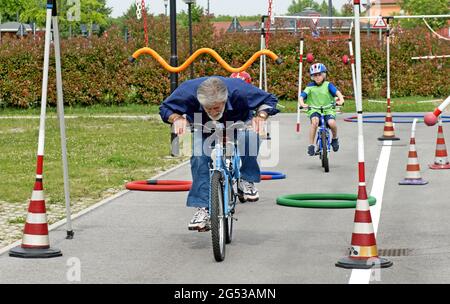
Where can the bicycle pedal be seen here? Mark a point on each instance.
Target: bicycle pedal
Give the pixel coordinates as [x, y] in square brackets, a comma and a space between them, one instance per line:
[204, 229]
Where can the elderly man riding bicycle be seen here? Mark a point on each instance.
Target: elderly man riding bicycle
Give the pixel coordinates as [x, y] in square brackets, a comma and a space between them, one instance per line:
[224, 100]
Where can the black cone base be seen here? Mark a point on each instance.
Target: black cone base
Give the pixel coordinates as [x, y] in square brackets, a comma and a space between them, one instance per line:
[350, 263]
[31, 253]
[388, 138]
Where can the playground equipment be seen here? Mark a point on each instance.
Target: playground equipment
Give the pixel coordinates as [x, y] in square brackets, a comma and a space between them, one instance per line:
[141, 11]
[269, 175]
[159, 185]
[321, 200]
[197, 53]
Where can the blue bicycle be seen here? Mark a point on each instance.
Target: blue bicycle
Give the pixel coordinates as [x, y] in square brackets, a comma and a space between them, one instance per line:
[323, 138]
[224, 176]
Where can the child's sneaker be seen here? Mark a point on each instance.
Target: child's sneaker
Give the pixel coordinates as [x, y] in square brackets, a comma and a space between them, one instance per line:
[311, 151]
[335, 144]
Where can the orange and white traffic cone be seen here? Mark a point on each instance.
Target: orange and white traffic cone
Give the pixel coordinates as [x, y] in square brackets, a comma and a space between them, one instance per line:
[35, 240]
[441, 156]
[363, 252]
[413, 167]
[388, 132]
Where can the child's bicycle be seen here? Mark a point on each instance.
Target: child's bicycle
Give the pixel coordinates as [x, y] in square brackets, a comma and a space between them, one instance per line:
[323, 138]
[224, 175]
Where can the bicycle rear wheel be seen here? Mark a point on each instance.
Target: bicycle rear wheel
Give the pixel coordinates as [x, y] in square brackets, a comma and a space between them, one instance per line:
[218, 221]
[325, 164]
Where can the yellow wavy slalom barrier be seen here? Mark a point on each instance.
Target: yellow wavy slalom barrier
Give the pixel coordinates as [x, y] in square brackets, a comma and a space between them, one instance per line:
[197, 53]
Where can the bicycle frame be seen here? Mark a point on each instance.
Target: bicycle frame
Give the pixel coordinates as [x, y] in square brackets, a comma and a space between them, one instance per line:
[228, 166]
[323, 128]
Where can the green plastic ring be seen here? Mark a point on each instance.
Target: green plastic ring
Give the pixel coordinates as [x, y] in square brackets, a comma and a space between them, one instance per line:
[322, 200]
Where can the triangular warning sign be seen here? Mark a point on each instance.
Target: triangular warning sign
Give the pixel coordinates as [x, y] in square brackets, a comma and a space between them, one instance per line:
[313, 19]
[380, 23]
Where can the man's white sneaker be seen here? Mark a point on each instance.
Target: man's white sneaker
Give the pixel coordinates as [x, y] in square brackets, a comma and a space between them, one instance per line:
[247, 191]
[200, 220]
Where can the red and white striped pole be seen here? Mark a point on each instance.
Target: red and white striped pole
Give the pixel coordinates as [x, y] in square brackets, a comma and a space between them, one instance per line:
[388, 130]
[300, 75]
[364, 253]
[432, 118]
[35, 241]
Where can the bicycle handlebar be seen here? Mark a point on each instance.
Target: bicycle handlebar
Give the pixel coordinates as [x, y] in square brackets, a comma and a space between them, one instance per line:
[239, 125]
[331, 105]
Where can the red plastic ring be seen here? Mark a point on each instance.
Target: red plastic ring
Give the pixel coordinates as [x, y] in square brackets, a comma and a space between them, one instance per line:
[159, 185]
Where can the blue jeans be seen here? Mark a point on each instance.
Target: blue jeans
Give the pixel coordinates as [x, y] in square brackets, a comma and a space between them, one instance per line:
[200, 163]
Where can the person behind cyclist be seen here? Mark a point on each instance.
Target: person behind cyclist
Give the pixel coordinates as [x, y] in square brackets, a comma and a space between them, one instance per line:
[318, 93]
[224, 100]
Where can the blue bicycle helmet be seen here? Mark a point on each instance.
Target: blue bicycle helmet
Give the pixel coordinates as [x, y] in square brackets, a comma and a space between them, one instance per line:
[317, 68]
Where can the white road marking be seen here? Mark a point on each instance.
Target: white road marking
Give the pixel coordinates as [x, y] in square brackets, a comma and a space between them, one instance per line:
[362, 276]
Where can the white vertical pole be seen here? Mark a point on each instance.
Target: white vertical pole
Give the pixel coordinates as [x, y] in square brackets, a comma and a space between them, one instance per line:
[352, 60]
[413, 129]
[300, 75]
[388, 64]
[358, 94]
[62, 126]
[41, 140]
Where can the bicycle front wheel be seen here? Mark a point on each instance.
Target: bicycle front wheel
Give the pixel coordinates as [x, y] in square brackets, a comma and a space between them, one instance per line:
[325, 164]
[218, 225]
[229, 216]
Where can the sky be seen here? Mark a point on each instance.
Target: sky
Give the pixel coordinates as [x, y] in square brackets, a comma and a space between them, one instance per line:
[217, 7]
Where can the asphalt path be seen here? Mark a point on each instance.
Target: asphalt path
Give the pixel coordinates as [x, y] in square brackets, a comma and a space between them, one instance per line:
[142, 237]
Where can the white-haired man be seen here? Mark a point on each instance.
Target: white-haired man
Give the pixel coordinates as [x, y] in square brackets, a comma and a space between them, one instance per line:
[224, 100]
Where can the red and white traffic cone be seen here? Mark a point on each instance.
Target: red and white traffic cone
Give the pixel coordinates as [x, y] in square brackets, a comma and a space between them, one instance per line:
[388, 131]
[441, 155]
[35, 240]
[413, 167]
[363, 252]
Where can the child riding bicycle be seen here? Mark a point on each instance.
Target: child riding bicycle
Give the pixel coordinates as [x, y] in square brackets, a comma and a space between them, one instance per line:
[320, 93]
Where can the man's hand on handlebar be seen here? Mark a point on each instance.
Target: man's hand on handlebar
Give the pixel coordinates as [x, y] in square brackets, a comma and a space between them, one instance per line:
[179, 125]
[258, 124]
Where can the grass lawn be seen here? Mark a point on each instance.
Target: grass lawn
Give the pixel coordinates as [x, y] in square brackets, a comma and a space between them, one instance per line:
[103, 154]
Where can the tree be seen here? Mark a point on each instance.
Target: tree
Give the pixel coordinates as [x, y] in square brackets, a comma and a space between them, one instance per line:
[298, 6]
[425, 7]
[91, 11]
[10, 8]
[323, 9]
[197, 13]
[347, 10]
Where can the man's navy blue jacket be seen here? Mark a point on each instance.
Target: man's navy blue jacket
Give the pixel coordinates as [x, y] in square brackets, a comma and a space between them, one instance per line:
[243, 100]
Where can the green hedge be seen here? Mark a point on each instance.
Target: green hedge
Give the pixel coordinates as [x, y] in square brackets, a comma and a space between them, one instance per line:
[96, 70]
